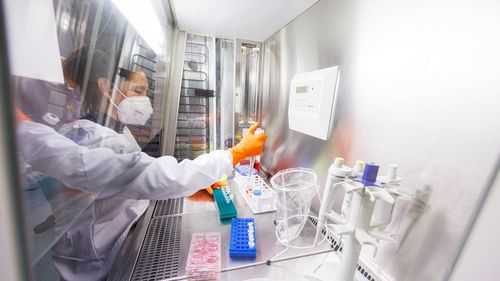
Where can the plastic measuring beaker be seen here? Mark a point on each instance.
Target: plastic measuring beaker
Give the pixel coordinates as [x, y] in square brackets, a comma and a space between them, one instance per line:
[295, 189]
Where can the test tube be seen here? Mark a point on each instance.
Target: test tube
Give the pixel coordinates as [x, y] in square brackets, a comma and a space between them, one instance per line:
[256, 186]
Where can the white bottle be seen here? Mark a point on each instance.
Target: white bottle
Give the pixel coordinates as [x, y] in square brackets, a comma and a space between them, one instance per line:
[358, 168]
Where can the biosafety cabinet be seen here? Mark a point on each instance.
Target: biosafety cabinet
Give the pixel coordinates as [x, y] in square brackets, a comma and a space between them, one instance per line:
[407, 92]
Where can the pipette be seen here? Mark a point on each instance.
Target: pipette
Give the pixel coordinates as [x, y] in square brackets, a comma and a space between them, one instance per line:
[337, 173]
[250, 170]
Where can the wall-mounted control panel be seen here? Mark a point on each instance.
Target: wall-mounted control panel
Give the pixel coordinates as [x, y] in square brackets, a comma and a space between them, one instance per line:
[312, 102]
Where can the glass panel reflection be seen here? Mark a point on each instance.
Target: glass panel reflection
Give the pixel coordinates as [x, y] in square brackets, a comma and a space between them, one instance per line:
[108, 100]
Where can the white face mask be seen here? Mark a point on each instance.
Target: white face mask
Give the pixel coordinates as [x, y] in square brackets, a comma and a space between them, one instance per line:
[135, 110]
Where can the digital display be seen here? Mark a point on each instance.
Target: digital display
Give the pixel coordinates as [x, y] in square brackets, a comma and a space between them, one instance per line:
[301, 89]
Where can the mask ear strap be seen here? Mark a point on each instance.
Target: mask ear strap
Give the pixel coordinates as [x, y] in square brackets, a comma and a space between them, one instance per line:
[121, 93]
[111, 99]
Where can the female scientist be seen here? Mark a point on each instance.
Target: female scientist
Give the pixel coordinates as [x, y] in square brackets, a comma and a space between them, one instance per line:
[87, 156]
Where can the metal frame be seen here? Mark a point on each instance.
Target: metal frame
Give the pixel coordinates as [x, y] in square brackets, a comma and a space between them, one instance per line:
[243, 80]
[15, 257]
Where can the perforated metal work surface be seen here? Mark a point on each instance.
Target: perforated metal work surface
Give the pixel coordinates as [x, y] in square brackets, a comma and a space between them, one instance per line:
[168, 207]
[160, 255]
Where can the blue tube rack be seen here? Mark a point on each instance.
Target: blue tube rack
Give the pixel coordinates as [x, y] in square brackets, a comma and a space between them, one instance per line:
[243, 244]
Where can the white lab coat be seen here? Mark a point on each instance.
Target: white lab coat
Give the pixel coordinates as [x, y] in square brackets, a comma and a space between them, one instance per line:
[123, 182]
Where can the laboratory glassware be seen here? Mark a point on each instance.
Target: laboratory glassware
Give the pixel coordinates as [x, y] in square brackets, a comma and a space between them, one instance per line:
[295, 189]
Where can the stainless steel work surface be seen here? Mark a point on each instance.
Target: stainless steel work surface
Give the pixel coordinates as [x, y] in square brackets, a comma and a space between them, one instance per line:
[203, 217]
[157, 248]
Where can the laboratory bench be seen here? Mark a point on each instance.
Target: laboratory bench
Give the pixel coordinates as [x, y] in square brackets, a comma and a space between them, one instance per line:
[156, 249]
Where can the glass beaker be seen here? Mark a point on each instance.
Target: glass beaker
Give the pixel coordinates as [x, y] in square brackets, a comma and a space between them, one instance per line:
[295, 189]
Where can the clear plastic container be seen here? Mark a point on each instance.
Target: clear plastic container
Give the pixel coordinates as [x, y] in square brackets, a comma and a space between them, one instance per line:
[204, 258]
[295, 189]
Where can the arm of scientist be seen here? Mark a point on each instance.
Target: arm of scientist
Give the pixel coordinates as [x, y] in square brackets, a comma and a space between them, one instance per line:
[132, 175]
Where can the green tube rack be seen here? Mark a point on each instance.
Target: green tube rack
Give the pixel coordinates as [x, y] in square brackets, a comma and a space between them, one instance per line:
[225, 205]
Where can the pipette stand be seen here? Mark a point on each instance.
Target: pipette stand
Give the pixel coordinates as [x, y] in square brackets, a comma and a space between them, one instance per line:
[354, 227]
[356, 232]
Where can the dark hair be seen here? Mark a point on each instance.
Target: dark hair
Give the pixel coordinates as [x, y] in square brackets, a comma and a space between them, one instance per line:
[124, 73]
[74, 68]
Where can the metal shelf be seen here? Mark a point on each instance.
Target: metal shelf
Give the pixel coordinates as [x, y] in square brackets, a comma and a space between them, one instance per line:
[194, 101]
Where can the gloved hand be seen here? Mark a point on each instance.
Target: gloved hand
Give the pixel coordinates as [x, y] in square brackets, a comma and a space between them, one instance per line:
[21, 116]
[250, 145]
[218, 184]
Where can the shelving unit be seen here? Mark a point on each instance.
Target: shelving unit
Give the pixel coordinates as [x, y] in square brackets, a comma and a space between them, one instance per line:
[144, 59]
[193, 128]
